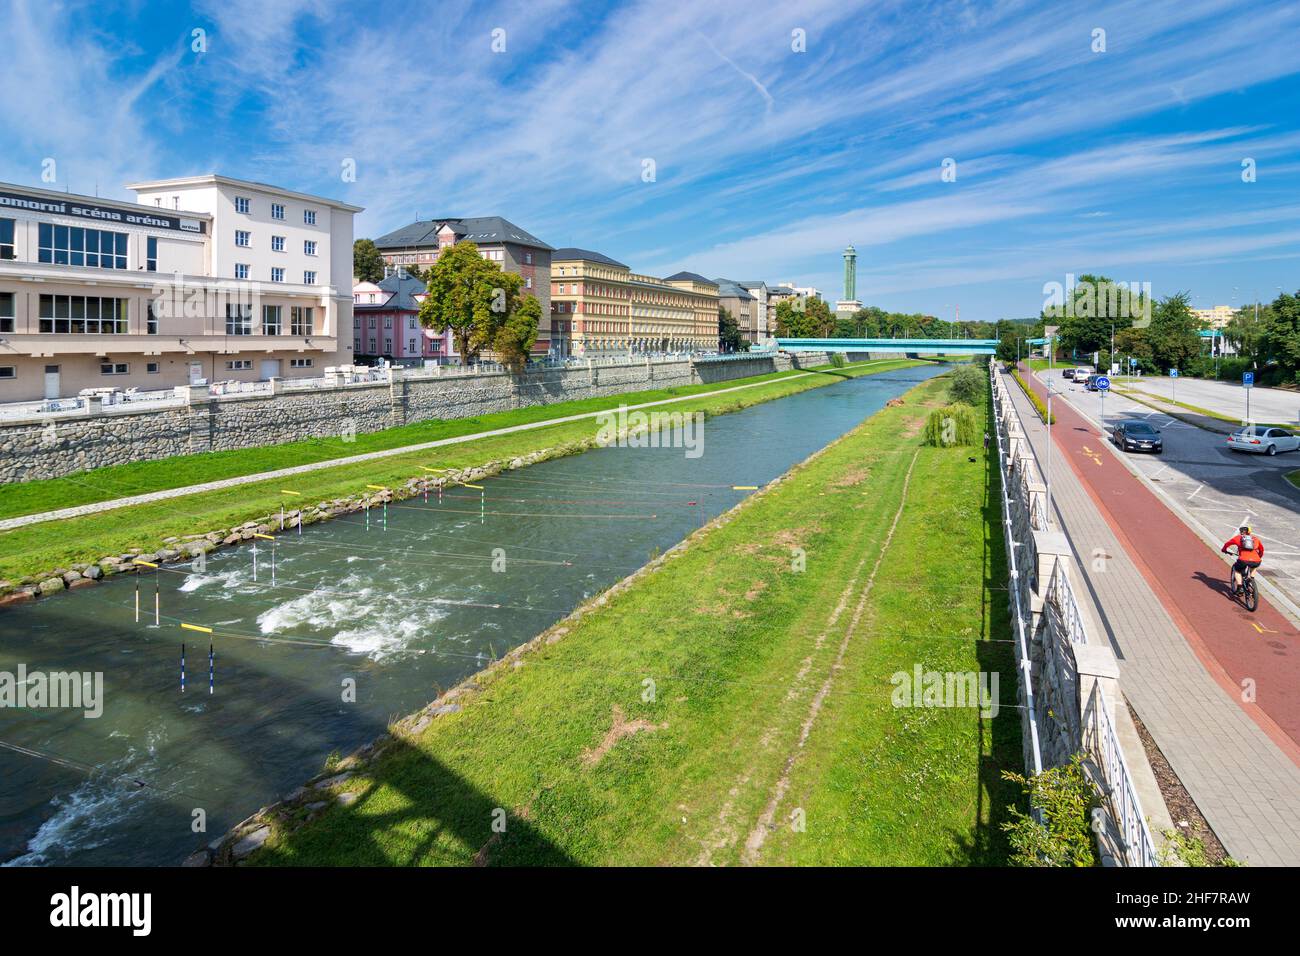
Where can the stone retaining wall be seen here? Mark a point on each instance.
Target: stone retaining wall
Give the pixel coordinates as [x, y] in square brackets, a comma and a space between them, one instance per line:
[39, 447]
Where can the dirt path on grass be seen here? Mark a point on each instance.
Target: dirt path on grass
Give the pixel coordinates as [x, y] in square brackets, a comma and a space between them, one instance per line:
[725, 831]
[757, 836]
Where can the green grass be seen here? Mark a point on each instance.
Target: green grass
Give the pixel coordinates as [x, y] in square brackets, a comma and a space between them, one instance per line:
[116, 481]
[38, 548]
[1146, 398]
[1034, 400]
[738, 643]
[1294, 477]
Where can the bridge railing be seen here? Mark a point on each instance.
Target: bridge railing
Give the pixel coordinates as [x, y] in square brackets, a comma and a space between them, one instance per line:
[1064, 708]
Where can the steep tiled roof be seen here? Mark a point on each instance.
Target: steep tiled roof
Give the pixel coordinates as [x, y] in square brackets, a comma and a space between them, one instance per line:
[478, 229]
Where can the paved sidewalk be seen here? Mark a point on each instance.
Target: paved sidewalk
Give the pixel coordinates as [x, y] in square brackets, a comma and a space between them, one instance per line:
[1244, 780]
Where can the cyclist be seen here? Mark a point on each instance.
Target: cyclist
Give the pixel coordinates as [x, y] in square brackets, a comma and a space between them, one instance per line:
[1250, 554]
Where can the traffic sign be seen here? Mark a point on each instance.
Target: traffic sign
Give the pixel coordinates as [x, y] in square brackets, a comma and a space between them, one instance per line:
[1103, 383]
[1173, 373]
[1247, 379]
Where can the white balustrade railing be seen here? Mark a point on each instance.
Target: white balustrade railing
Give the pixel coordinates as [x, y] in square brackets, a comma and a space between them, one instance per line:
[1139, 848]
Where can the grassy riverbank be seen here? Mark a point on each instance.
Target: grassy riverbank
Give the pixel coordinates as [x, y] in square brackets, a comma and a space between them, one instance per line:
[37, 548]
[736, 688]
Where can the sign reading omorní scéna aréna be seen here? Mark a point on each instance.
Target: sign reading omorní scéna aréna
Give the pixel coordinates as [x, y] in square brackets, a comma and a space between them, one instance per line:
[76, 909]
[85, 210]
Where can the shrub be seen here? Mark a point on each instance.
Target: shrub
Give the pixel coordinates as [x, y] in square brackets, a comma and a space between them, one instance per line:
[968, 385]
[1065, 798]
[838, 360]
[1037, 402]
[950, 426]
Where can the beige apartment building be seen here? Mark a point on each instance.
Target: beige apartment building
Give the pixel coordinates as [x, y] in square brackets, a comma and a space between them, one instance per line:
[1217, 317]
[203, 279]
[600, 307]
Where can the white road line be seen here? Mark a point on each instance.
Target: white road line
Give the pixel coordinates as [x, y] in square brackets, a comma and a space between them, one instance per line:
[1195, 493]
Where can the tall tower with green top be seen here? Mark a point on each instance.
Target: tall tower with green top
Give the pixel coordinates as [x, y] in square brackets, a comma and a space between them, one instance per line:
[849, 305]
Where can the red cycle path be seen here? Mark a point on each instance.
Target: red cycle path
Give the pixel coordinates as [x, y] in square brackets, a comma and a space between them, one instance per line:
[1190, 580]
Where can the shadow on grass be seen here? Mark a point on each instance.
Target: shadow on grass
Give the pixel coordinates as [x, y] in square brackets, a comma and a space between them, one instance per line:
[1000, 736]
[418, 812]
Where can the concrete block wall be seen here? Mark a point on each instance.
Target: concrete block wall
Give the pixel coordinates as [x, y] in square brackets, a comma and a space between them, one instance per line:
[50, 447]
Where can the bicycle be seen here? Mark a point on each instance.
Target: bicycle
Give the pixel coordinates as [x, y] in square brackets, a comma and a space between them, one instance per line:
[1249, 596]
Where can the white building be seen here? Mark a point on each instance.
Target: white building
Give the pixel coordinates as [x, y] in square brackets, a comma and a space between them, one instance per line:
[203, 279]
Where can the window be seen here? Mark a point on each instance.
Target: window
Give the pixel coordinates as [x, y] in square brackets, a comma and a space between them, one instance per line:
[6, 238]
[241, 270]
[277, 275]
[242, 204]
[80, 315]
[412, 323]
[271, 320]
[151, 320]
[114, 368]
[277, 243]
[309, 247]
[356, 345]
[309, 278]
[528, 282]
[528, 258]
[413, 346]
[75, 246]
[277, 211]
[8, 371]
[6, 311]
[239, 365]
[243, 238]
[388, 344]
[309, 217]
[300, 363]
[239, 320]
[151, 254]
[300, 318]
[151, 368]
[388, 321]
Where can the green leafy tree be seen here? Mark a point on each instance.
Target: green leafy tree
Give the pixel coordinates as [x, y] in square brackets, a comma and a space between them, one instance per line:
[1095, 306]
[1134, 343]
[1282, 340]
[729, 337]
[1174, 338]
[470, 296]
[514, 340]
[1247, 332]
[367, 263]
[968, 386]
[804, 319]
[1063, 836]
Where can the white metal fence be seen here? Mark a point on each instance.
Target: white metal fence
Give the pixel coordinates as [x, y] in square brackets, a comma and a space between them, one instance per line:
[1045, 645]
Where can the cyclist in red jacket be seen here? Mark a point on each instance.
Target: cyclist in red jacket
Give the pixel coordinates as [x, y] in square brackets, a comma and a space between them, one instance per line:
[1250, 554]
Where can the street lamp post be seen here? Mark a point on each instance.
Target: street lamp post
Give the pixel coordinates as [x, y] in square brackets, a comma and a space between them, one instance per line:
[1050, 392]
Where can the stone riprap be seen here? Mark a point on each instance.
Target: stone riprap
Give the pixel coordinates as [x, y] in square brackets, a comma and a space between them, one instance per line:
[50, 447]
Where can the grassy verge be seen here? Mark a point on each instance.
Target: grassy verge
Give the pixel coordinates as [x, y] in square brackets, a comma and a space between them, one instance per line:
[116, 481]
[1034, 400]
[661, 724]
[35, 549]
[1156, 401]
[1294, 477]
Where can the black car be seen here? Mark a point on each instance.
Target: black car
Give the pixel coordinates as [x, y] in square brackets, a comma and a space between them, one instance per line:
[1068, 374]
[1137, 436]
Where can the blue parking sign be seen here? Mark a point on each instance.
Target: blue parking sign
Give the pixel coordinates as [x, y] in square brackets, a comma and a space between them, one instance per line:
[1248, 379]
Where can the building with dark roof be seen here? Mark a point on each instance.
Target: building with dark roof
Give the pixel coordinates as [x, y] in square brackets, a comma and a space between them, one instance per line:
[386, 323]
[600, 307]
[499, 240]
[742, 306]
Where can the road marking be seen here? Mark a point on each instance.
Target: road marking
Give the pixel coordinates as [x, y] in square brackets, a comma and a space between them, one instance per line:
[1092, 454]
[1262, 630]
[1195, 493]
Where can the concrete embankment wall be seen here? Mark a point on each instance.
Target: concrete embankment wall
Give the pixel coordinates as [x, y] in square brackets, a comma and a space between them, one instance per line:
[40, 447]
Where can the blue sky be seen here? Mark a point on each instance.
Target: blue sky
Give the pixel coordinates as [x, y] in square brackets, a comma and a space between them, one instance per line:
[767, 161]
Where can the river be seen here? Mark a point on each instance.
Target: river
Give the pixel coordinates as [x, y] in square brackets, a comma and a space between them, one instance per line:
[399, 611]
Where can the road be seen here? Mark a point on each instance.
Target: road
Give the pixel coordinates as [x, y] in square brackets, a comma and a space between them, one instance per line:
[1273, 405]
[1220, 489]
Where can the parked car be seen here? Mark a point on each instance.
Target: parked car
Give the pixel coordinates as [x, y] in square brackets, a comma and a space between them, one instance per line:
[1081, 374]
[1068, 373]
[1257, 439]
[1090, 383]
[1137, 435]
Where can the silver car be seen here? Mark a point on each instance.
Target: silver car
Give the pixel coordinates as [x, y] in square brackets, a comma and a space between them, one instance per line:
[1260, 440]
